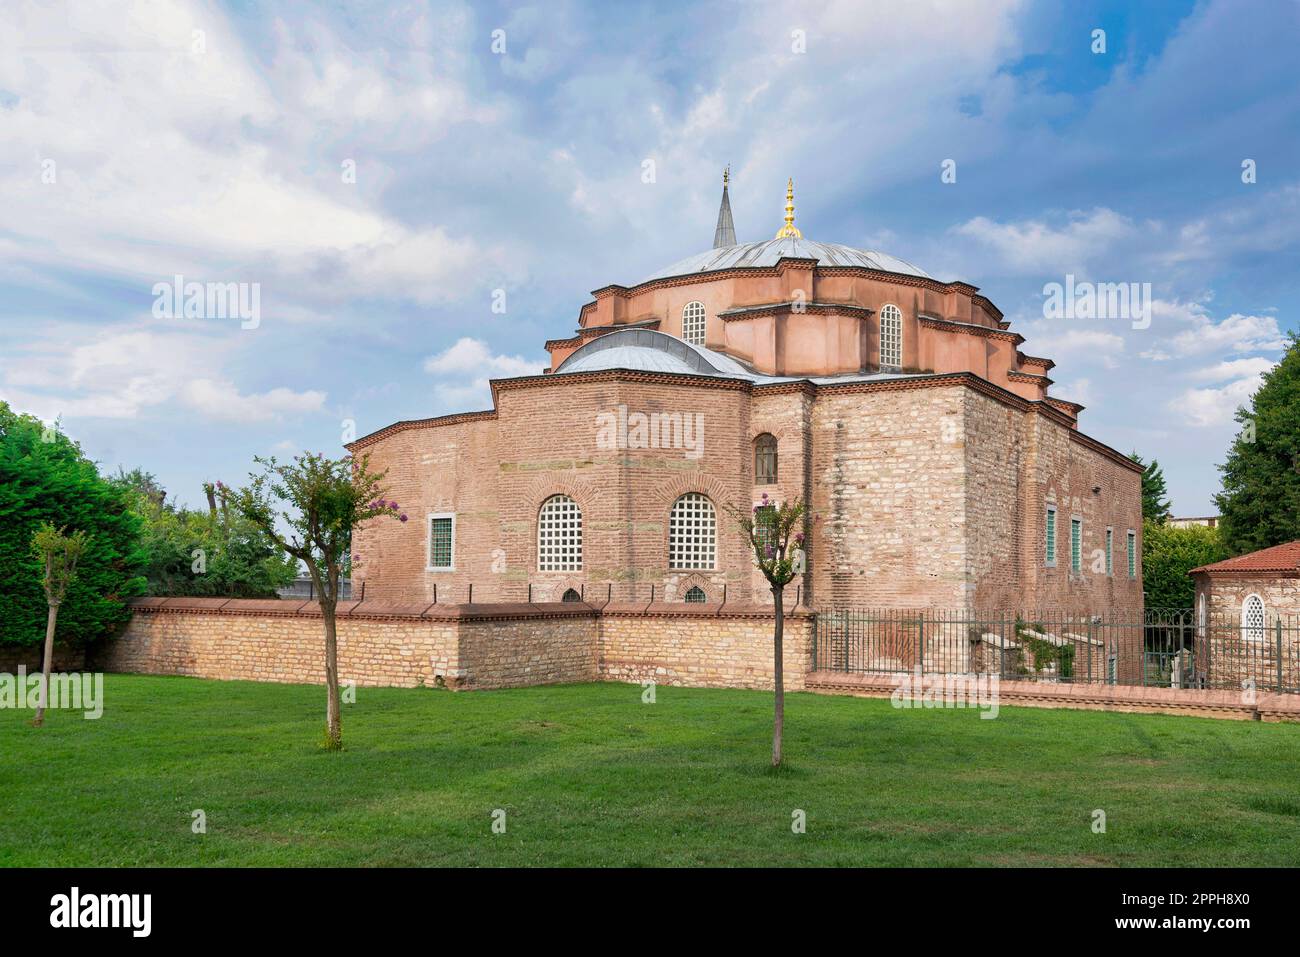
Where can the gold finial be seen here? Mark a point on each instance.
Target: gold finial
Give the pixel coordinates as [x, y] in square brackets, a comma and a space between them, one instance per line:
[789, 230]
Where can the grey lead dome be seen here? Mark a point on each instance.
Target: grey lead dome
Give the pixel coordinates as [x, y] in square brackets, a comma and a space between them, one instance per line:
[767, 253]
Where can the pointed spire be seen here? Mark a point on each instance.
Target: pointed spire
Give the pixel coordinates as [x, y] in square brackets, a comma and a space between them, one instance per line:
[789, 229]
[725, 234]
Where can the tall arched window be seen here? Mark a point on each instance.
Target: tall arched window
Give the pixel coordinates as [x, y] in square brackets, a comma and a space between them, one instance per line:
[765, 460]
[693, 323]
[1201, 616]
[891, 337]
[692, 533]
[559, 535]
[1252, 618]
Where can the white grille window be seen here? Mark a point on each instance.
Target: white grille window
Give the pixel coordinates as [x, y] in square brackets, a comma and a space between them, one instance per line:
[692, 533]
[891, 337]
[693, 323]
[1252, 618]
[559, 535]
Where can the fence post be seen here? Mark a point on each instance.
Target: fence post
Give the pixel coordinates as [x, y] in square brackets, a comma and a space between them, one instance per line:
[920, 642]
[1277, 628]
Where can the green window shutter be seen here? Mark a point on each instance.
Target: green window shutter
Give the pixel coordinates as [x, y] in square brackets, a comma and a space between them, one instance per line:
[1051, 536]
[1076, 544]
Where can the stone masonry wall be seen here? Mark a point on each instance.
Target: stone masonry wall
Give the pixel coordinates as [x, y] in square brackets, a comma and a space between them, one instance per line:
[482, 646]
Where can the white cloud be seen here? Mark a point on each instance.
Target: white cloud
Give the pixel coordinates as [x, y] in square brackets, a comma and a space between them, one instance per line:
[145, 369]
[1213, 407]
[1038, 246]
[1234, 369]
[1048, 338]
[1236, 333]
[465, 371]
[167, 159]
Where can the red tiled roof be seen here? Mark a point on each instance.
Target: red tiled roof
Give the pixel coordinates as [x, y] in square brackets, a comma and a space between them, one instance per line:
[1279, 558]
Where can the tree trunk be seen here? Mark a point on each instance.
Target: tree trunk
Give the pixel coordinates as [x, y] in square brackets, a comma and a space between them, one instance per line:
[333, 719]
[778, 594]
[45, 668]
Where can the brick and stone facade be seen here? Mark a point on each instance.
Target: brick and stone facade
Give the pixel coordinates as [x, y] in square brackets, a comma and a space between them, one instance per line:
[930, 465]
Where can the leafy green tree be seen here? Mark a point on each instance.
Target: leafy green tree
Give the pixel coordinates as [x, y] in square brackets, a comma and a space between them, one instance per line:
[775, 534]
[1155, 501]
[318, 501]
[58, 554]
[1168, 554]
[204, 552]
[45, 478]
[1260, 502]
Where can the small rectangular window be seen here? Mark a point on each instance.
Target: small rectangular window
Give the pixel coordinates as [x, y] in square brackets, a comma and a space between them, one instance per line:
[1132, 554]
[1051, 535]
[1076, 544]
[1110, 540]
[442, 542]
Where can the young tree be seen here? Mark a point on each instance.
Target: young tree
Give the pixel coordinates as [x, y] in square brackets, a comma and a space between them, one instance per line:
[326, 499]
[1155, 504]
[775, 533]
[58, 554]
[1260, 501]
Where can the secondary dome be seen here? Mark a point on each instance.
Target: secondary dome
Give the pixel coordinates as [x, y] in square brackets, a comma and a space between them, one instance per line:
[768, 252]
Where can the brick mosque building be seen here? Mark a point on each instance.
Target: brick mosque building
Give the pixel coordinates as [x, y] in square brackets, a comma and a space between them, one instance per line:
[902, 408]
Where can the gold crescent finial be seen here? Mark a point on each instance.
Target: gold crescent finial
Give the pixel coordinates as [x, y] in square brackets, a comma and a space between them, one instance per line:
[789, 230]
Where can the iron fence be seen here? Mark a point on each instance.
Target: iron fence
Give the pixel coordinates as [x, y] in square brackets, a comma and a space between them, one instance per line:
[1162, 647]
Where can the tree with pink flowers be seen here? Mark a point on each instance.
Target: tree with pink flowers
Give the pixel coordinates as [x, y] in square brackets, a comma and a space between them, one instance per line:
[775, 531]
[310, 509]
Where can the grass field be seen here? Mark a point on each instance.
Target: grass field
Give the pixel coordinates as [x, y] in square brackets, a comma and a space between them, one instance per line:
[588, 775]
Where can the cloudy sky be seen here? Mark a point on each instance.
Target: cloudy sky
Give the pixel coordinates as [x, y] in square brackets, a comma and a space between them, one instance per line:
[386, 172]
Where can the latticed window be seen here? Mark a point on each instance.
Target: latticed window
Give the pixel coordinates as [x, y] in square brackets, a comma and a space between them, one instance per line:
[765, 460]
[1110, 540]
[696, 594]
[692, 533]
[559, 535]
[1132, 555]
[693, 323]
[1076, 544]
[571, 594]
[442, 541]
[1051, 535]
[1252, 618]
[891, 337]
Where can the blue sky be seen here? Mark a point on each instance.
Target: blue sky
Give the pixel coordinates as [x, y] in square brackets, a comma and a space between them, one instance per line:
[144, 140]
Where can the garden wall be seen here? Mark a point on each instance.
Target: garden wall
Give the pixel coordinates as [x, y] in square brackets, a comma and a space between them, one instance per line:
[461, 646]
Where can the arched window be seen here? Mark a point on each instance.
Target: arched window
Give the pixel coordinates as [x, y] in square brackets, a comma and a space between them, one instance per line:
[571, 595]
[559, 535]
[696, 594]
[1200, 615]
[891, 337]
[1252, 618]
[693, 323]
[765, 460]
[692, 533]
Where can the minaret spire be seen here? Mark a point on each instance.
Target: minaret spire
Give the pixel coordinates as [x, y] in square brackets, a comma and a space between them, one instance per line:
[725, 233]
[789, 229]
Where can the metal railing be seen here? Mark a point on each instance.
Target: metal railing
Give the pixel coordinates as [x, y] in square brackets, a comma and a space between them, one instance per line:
[1162, 647]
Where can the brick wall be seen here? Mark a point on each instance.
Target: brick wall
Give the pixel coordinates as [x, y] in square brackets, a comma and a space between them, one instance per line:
[481, 646]
[930, 494]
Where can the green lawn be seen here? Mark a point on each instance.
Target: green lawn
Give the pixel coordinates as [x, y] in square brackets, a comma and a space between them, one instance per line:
[589, 775]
